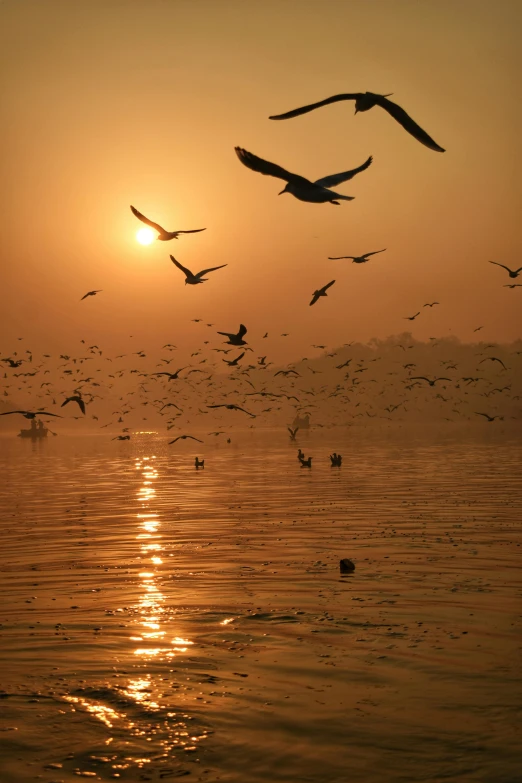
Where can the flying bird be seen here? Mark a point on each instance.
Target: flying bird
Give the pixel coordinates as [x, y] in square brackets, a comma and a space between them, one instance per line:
[423, 378]
[184, 437]
[234, 362]
[430, 304]
[232, 408]
[236, 339]
[91, 293]
[190, 277]
[75, 398]
[512, 272]
[493, 359]
[488, 417]
[411, 317]
[357, 259]
[321, 292]
[303, 189]
[162, 233]
[172, 375]
[513, 285]
[365, 101]
[32, 414]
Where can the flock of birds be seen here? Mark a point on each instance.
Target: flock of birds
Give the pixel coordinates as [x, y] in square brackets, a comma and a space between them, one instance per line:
[317, 191]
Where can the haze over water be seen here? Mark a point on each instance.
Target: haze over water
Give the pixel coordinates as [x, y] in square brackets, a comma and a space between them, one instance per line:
[160, 621]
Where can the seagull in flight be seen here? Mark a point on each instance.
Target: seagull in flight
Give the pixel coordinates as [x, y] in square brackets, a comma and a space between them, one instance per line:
[184, 437]
[512, 272]
[233, 408]
[423, 378]
[513, 285]
[173, 376]
[488, 417]
[91, 293]
[365, 101]
[357, 259]
[162, 233]
[411, 317]
[321, 292]
[75, 398]
[493, 359]
[236, 339]
[430, 304]
[32, 414]
[190, 277]
[121, 437]
[317, 192]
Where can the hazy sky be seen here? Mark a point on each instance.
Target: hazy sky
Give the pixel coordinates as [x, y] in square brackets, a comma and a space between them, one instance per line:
[107, 103]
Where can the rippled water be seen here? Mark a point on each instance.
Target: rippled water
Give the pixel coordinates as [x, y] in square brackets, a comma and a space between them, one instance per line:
[160, 622]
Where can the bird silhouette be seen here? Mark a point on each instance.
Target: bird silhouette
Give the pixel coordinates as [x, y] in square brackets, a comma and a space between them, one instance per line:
[236, 339]
[162, 233]
[91, 293]
[512, 272]
[488, 417]
[78, 400]
[32, 414]
[190, 277]
[184, 437]
[411, 317]
[232, 407]
[293, 432]
[430, 304]
[357, 259]
[234, 362]
[321, 292]
[423, 378]
[317, 192]
[171, 375]
[363, 102]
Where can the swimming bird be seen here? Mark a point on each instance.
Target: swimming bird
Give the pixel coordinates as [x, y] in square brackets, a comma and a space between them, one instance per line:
[32, 414]
[236, 339]
[306, 463]
[411, 317]
[233, 408]
[321, 292]
[512, 272]
[365, 101]
[293, 432]
[184, 437]
[423, 378]
[91, 293]
[488, 417]
[199, 463]
[357, 259]
[303, 189]
[12, 362]
[75, 398]
[121, 437]
[163, 235]
[190, 277]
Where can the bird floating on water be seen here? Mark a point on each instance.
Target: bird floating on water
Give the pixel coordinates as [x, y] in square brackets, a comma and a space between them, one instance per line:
[162, 233]
[317, 192]
[190, 277]
[363, 102]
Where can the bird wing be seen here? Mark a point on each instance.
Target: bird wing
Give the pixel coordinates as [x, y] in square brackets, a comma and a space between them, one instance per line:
[367, 255]
[242, 330]
[347, 96]
[328, 285]
[191, 231]
[184, 269]
[314, 298]
[175, 439]
[419, 378]
[45, 413]
[336, 179]
[146, 220]
[404, 119]
[502, 265]
[271, 169]
[8, 413]
[86, 295]
[81, 405]
[339, 258]
[212, 269]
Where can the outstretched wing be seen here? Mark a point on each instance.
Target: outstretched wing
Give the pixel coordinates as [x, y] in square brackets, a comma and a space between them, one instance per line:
[336, 179]
[191, 231]
[502, 265]
[146, 220]
[404, 119]
[338, 258]
[347, 96]
[184, 269]
[265, 167]
[328, 285]
[45, 413]
[242, 331]
[212, 269]
[8, 413]
[367, 255]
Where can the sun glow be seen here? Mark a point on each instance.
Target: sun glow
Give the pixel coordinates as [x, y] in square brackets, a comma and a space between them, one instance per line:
[145, 236]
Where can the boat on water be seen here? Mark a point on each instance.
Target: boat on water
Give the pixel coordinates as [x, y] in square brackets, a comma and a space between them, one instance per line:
[35, 432]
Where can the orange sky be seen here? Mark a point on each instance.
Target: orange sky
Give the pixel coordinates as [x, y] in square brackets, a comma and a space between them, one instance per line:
[111, 102]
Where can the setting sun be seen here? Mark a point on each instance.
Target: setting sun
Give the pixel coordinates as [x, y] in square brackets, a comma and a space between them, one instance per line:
[145, 236]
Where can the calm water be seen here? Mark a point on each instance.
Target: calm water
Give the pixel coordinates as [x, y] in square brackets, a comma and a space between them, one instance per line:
[160, 622]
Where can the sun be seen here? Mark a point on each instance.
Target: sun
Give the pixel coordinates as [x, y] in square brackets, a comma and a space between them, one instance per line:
[145, 236]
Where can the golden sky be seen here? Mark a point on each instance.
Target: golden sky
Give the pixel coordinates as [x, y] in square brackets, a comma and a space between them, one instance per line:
[107, 103]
